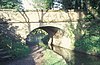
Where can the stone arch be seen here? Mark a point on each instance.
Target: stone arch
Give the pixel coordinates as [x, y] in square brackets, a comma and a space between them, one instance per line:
[52, 32]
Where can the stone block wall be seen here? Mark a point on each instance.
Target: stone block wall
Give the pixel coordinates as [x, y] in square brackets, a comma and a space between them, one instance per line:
[35, 16]
[25, 22]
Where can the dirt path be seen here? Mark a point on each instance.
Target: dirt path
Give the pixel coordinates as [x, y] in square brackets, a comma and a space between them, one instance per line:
[34, 58]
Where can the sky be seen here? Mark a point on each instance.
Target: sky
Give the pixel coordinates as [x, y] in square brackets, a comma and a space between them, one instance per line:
[27, 4]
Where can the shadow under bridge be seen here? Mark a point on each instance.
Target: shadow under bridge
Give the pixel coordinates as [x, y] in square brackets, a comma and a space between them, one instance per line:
[45, 35]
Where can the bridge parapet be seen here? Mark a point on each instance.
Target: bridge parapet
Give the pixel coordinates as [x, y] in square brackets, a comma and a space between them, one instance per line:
[34, 16]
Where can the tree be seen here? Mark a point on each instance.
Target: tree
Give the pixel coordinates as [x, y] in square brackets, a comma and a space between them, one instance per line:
[43, 4]
[95, 5]
[9, 4]
[67, 4]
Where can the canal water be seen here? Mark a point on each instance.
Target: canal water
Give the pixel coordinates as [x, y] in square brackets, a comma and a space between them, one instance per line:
[76, 58]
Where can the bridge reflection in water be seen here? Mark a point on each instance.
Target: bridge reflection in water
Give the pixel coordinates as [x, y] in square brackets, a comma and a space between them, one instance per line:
[76, 58]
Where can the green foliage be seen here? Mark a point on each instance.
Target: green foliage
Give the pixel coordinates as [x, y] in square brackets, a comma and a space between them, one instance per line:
[38, 36]
[88, 17]
[49, 3]
[43, 4]
[14, 48]
[95, 4]
[9, 4]
[43, 45]
[11, 42]
[90, 41]
[19, 50]
[68, 4]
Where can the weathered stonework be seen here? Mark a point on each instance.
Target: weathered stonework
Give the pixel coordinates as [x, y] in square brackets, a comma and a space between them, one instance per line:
[25, 22]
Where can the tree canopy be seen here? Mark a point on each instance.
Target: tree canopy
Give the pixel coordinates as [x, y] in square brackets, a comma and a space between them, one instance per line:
[83, 5]
[9, 4]
[43, 4]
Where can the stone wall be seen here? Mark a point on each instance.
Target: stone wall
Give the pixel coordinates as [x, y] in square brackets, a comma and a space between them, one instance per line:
[34, 16]
[25, 22]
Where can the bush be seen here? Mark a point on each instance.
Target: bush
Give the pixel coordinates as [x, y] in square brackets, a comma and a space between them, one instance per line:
[19, 50]
[11, 42]
[90, 41]
[16, 49]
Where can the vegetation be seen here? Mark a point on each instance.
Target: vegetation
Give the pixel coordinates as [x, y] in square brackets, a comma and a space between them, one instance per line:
[19, 50]
[38, 37]
[9, 4]
[11, 42]
[90, 41]
[43, 4]
[95, 5]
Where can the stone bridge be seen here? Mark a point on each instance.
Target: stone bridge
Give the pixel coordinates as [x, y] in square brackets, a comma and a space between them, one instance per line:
[24, 28]
[60, 32]
[25, 23]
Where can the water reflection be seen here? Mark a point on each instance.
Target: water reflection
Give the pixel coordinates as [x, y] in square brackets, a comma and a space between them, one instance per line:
[76, 58]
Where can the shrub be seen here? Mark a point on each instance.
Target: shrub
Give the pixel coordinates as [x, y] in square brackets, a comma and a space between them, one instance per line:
[11, 42]
[19, 50]
[90, 41]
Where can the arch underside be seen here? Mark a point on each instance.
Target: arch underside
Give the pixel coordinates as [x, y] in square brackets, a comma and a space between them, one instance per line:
[48, 39]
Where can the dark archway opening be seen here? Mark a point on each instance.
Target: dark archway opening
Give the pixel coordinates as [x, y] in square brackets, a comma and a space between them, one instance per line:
[44, 36]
